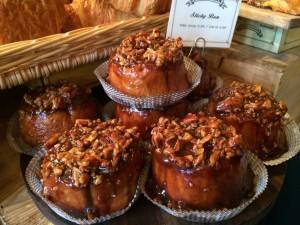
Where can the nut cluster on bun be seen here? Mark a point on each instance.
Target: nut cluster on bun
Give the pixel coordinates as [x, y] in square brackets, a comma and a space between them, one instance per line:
[196, 140]
[146, 47]
[91, 147]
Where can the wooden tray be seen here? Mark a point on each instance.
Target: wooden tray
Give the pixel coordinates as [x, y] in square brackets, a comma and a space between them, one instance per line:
[278, 19]
[145, 213]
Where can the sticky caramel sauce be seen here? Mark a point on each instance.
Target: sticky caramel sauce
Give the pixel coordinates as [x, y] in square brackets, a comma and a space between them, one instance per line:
[201, 188]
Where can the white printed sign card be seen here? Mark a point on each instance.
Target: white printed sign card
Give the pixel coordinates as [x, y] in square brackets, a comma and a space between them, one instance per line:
[213, 20]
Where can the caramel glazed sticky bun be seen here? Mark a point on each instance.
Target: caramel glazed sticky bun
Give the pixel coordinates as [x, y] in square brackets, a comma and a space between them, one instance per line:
[93, 169]
[148, 64]
[198, 163]
[53, 109]
[255, 114]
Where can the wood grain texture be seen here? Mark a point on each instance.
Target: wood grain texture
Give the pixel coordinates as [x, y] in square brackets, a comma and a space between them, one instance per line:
[270, 17]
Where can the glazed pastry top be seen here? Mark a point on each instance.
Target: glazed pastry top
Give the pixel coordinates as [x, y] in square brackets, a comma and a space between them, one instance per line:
[196, 140]
[149, 48]
[89, 149]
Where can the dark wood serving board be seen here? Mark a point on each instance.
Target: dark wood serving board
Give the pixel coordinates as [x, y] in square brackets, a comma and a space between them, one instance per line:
[145, 213]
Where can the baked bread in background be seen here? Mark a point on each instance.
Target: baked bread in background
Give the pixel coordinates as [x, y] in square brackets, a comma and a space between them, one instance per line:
[142, 7]
[30, 19]
[51, 110]
[95, 12]
[285, 6]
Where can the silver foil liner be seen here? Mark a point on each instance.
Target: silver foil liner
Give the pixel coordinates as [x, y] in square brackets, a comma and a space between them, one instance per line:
[214, 216]
[35, 186]
[194, 77]
[292, 135]
[14, 138]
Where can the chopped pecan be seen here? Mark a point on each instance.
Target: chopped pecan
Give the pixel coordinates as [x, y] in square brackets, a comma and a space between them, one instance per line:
[90, 144]
[196, 140]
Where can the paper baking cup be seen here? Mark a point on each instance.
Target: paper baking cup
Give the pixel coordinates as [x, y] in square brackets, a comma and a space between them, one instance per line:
[35, 186]
[14, 138]
[213, 216]
[194, 77]
[292, 135]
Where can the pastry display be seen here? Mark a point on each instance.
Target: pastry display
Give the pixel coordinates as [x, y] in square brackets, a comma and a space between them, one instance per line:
[198, 163]
[144, 119]
[29, 19]
[53, 109]
[255, 114]
[148, 64]
[93, 169]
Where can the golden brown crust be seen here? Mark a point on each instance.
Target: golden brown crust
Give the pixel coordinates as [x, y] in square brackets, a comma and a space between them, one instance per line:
[95, 12]
[285, 6]
[142, 7]
[30, 19]
[196, 140]
[87, 150]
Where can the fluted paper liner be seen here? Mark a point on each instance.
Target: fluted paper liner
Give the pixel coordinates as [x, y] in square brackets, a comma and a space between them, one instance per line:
[292, 135]
[35, 186]
[212, 216]
[14, 138]
[194, 73]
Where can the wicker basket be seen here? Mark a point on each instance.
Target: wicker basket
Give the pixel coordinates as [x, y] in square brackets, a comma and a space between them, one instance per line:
[28, 60]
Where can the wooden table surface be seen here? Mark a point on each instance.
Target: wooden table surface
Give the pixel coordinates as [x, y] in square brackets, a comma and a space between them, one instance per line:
[18, 208]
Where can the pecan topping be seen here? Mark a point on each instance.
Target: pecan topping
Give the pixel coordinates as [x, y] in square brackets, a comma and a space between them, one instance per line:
[196, 140]
[248, 101]
[54, 97]
[147, 47]
[89, 149]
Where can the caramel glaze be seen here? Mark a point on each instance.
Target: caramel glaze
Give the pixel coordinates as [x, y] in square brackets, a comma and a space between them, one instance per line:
[202, 188]
[255, 137]
[36, 126]
[144, 119]
[147, 79]
[262, 133]
[114, 192]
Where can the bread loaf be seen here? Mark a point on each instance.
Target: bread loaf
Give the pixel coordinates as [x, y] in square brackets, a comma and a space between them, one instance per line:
[30, 19]
[142, 7]
[95, 12]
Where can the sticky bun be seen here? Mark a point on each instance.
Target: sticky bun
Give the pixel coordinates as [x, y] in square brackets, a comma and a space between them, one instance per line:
[53, 109]
[148, 64]
[93, 169]
[255, 114]
[198, 163]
